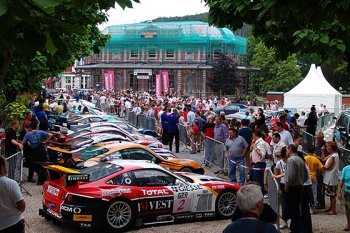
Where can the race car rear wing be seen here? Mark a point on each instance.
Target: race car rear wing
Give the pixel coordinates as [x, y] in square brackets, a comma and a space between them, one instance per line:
[71, 176]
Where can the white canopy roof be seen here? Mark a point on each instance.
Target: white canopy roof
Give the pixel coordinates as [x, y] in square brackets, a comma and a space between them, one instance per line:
[314, 89]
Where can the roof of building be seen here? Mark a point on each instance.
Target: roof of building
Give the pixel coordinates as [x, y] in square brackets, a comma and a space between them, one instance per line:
[189, 35]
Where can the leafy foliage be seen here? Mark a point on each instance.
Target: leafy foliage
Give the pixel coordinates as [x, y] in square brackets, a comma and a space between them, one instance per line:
[224, 76]
[16, 111]
[313, 26]
[49, 33]
[276, 74]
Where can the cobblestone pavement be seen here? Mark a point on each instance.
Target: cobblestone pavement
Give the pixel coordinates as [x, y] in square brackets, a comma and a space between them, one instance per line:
[321, 223]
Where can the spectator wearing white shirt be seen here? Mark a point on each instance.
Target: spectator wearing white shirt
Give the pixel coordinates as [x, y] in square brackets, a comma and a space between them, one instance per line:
[259, 149]
[277, 144]
[190, 117]
[286, 137]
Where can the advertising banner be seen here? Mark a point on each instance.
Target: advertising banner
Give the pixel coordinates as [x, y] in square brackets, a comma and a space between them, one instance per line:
[109, 80]
[158, 85]
[165, 79]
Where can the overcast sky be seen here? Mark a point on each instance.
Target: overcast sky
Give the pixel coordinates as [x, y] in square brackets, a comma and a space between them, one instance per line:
[151, 9]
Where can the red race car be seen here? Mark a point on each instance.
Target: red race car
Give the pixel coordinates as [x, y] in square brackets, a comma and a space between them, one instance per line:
[119, 195]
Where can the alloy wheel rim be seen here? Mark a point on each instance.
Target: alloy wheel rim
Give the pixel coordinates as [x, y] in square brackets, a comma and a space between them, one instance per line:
[227, 204]
[119, 214]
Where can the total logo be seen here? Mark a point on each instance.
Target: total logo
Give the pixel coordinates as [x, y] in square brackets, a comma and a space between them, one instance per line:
[74, 210]
[155, 192]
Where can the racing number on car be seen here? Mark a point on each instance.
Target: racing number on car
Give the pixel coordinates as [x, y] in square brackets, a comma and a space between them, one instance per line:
[181, 207]
[182, 203]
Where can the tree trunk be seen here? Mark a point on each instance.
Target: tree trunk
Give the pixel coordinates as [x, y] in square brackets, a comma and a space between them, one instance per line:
[5, 62]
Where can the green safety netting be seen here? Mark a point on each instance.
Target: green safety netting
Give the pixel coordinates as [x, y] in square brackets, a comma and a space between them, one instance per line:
[187, 36]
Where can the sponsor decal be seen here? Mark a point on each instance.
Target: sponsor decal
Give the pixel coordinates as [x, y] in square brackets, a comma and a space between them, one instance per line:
[51, 205]
[163, 218]
[127, 181]
[52, 190]
[82, 177]
[184, 216]
[182, 195]
[85, 225]
[155, 205]
[69, 209]
[82, 218]
[186, 188]
[53, 213]
[209, 215]
[115, 192]
[218, 187]
[155, 192]
[199, 215]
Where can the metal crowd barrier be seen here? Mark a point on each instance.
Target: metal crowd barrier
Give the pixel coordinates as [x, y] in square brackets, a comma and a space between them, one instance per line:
[15, 169]
[184, 137]
[141, 121]
[146, 122]
[2, 147]
[273, 197]
[308, 139]
[325, 121]
[215, 157]
[344, 155]
[131, 118]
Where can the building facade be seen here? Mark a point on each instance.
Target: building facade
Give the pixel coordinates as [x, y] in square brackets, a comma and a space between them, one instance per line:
[183, 52]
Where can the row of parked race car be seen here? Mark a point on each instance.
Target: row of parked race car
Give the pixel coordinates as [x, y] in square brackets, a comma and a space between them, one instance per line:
[104, 173]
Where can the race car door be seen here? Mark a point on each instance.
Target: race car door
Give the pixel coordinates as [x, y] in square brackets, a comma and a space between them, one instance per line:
[193, 198]
[155, 198]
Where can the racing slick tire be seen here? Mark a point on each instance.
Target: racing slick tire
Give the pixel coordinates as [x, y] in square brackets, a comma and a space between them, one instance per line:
[119, 215]
[226, 204]
[186, 169]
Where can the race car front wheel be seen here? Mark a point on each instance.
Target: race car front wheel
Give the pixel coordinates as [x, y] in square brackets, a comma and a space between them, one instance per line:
[226, 204]
[119, 215]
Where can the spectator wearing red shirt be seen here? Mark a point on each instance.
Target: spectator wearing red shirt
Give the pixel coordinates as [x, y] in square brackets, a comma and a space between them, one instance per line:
[283, 120]
[209, 145]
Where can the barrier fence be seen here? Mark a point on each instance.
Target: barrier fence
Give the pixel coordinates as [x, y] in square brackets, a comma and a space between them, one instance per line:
[308, 139]
[325, 121]
[141, 121]
[184, 137]
[214, 153]
[273, 194]
[344, 155]
[2, 147]
[15, 169]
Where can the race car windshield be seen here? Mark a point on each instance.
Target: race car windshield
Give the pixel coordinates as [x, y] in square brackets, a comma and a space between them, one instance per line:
[91, 152]
[78, 133]
[101, 170]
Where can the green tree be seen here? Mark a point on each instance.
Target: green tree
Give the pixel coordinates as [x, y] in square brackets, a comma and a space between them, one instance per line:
[313, 26]
[59, 30]
[224, 78]
[275, 74]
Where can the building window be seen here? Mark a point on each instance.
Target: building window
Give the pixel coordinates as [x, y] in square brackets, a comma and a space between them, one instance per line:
[170, 54]
[134, 54]
[152, 55]
[115, 55]
[189, 55]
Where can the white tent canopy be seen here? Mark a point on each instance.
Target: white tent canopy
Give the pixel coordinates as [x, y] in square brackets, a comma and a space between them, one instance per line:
[314, 89]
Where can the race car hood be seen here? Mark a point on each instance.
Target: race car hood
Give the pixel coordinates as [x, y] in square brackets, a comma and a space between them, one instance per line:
[198, 178]
[184, 162]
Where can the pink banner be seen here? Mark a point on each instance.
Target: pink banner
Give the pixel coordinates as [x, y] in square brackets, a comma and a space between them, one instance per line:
[158, 85]
[165, 79]
[109, 80]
